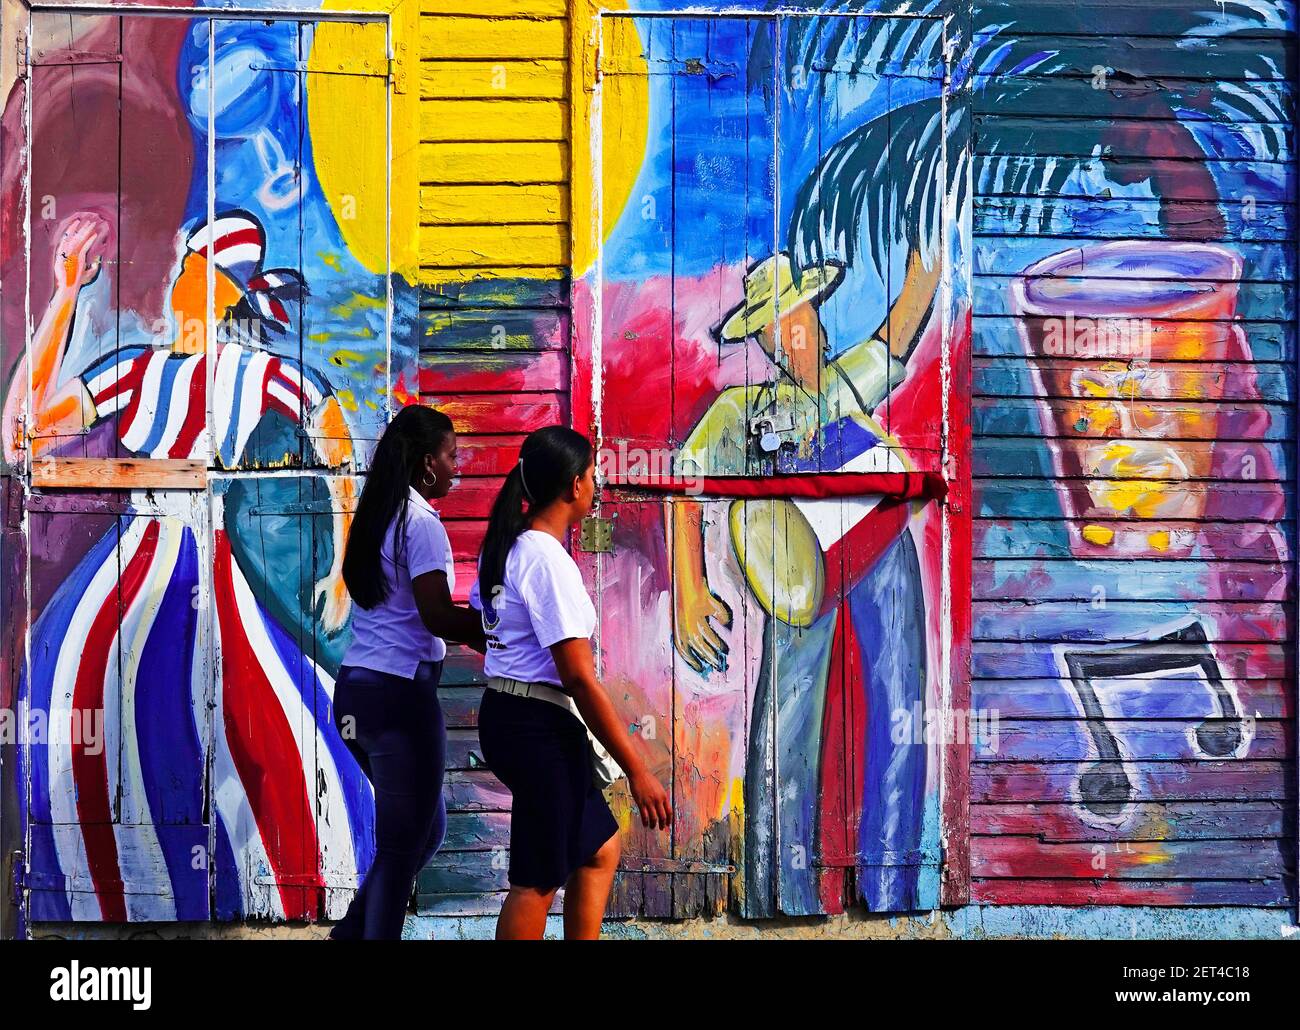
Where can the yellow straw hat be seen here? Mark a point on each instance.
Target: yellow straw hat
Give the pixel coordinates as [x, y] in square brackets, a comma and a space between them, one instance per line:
[763, 302]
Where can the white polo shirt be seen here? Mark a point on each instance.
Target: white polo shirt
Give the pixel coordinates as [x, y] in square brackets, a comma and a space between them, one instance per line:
[542, 601]
[391, 637]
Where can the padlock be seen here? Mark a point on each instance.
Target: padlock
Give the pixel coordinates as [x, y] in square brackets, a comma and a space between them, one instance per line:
[765, 430]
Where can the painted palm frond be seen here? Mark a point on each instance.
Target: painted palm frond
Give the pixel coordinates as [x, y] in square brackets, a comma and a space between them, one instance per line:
[1022, 58]
[891, 173]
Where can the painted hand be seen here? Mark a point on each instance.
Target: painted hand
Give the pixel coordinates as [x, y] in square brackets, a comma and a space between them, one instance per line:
[337, 602]
[77, 257]
[694, 637]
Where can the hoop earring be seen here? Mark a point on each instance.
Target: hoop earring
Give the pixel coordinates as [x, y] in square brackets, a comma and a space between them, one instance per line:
[425, 480]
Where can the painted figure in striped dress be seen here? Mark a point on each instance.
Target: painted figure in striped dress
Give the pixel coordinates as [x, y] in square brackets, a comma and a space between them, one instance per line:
[119, 826]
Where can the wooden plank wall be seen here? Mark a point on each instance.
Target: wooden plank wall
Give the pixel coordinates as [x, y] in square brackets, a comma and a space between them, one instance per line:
[494, 254]
[1170, 781]
[1074, 553]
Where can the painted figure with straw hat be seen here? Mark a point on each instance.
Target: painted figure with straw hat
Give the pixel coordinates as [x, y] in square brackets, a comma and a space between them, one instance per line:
[821, 570]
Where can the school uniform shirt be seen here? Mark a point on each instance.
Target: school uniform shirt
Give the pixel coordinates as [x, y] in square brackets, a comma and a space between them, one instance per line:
[542, 601]
[391, 637]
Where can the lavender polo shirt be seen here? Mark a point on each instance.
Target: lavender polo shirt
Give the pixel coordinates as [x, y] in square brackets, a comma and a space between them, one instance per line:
[391, 637]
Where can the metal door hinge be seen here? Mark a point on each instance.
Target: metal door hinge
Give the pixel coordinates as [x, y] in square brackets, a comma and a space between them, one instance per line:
[20, 437]
[597, 536]
[397, 73]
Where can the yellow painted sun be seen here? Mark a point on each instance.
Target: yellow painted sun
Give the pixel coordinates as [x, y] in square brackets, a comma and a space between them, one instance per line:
[624, 123]
[346, 136]
[347, 116]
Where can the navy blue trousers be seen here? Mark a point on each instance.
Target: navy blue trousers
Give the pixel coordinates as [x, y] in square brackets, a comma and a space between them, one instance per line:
[394, 729]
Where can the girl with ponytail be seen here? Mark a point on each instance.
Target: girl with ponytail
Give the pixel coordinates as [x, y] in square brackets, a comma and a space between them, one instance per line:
[398, 568]
[546, 727]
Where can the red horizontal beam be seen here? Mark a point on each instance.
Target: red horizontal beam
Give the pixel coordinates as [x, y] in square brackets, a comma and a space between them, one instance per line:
[816, 485]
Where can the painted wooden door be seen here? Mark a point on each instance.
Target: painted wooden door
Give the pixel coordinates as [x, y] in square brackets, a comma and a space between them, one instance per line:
[211, 362]
[774, 305]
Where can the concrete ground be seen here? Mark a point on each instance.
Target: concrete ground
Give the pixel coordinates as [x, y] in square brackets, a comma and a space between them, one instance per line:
[970, 923]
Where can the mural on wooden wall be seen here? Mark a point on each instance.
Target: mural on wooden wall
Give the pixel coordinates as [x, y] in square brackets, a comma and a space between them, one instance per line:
[1131, 277]
[769, 303]
[208, 284]
[767, 268]
[797, 248]
[1134, 268]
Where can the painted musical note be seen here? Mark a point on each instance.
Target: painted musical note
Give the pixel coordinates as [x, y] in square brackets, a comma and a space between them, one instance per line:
[1105, 788]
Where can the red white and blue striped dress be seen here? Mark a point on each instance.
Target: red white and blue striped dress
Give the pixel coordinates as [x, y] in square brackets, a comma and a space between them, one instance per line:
[119, 825]
[160, 395]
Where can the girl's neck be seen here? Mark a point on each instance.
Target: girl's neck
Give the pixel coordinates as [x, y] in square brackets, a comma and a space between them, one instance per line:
[553, 519]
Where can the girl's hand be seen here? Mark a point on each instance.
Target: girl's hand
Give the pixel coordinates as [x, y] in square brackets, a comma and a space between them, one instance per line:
[651, 801]
[77, 258]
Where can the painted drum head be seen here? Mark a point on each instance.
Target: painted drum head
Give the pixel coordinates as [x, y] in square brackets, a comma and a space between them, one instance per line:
[780, 558]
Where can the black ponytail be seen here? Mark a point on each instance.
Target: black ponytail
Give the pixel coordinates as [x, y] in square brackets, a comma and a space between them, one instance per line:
[549, 461]
[415, 431]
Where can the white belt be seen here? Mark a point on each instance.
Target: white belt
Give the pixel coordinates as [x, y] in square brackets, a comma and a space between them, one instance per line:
[604, 769]
[523, 688]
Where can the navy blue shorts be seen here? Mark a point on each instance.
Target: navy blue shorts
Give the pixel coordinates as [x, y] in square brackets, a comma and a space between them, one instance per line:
[558, 816]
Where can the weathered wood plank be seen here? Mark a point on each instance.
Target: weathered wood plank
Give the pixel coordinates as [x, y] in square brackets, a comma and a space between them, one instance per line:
[1174, 693]
[1033, 660]
[1177, 380]
[1155, 781]
[1099, 581]
[1163, 740]
[477, 831]
[1144, 860]
[518, 80]
[1130, 891]
[466, 574]
[497, 8]
[493, 330]
[492, 289]
[460, 703]
[460, 872]
[472, 498]
[996, 135]
[1152, 821]
[544, 204]
[494, 372]
[1031, 618]
[999, 336]
[493, 119]
[1204, 460]
[495, 162]
[475, 790]
[478, 38]
[1270, 181]
[481, 903]
[487, 455]
[1116, 21]
[1262, 262]
[500, 413]
[1126, 218]
[462, 667]
[458, 246]
[120, 473]
[992, 295]
[1036, 498]
[1064, 95]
